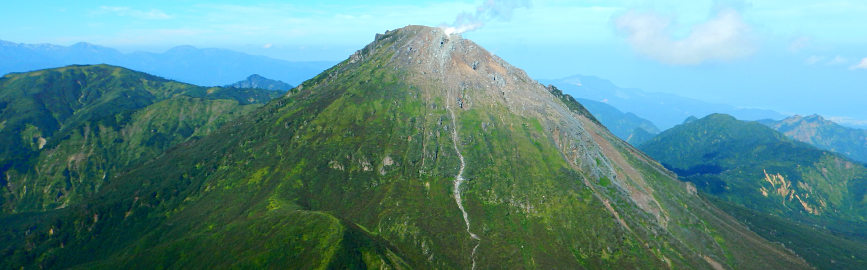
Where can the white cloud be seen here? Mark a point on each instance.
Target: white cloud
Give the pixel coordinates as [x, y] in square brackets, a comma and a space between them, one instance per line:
[266, 46]
[837, 60]
[812, 60]
[723, 37]
[860, 65]
[153, 14]
[800, 44]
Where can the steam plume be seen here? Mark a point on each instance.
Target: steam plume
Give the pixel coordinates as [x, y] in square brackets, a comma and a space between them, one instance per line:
[489, 10]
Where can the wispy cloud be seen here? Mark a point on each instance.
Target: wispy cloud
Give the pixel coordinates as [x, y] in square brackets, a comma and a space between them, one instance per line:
[800, 43]
[812, 60]
[725, 36]
[860, 65]
[153, 14]
[838, 60]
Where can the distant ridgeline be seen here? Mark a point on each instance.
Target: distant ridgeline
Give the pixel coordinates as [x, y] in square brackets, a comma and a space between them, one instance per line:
[65, 132]
[663, 109]
[628, 126]
[205, 66]
[824, 134]
[813, 201]
[256, 81]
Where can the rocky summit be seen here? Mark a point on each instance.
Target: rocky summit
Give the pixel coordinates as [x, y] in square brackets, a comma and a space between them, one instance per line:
[422, 150]
[824, 134]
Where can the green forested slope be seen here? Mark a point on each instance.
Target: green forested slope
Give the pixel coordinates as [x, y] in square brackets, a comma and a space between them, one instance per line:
[795, 193]
[68, 130]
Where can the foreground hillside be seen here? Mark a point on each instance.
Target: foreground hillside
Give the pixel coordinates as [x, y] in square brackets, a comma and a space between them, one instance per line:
[422, 150]
[812, 200]
[65, 132]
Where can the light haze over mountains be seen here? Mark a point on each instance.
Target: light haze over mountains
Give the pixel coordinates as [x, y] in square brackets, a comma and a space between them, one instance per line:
[793, 57]
[206, 67]
[664, 110]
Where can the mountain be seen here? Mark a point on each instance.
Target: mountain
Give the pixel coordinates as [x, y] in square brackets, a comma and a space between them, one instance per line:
[824, 134]
[664, 110]
[806, 193]
[256, 81]
[183, 63]
[621, 124]
[65, 132]
[422, 150]
[639, 136]
[692, 118]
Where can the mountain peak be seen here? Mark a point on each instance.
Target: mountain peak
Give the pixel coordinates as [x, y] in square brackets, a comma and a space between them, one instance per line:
[182, 48]
[815, 118]
[689, 119]
[82, 44]
[460, 63]
[257, 81]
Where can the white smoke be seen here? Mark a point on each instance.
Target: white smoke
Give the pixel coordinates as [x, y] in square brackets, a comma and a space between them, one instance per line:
[489, 10]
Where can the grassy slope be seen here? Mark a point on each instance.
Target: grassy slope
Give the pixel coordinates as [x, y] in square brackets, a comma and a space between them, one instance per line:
[738, 161]
[822, 248]
[68, 130]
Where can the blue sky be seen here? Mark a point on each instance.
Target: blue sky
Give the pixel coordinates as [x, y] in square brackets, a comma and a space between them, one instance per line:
[793, 56]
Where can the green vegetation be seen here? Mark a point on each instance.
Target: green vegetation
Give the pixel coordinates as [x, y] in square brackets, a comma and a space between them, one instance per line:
[797, 195]
[69, 130]
[639, 136]
[823, 248]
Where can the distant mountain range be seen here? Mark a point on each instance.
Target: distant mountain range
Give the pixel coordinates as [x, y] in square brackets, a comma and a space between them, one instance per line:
[256, 81]
[623, 125]
[207, 67]
[664, 110]
[824, 134]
